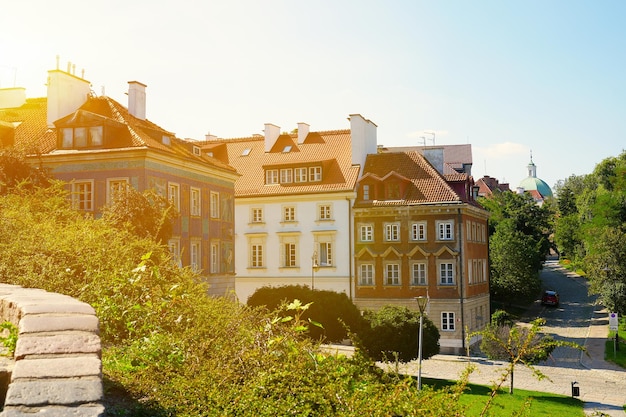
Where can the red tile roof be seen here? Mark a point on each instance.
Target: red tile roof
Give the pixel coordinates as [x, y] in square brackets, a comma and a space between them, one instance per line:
[332, 150]
[426, 184]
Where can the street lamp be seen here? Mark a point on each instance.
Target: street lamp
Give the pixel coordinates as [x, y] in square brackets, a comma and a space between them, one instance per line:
[314, 266]
[422, 302]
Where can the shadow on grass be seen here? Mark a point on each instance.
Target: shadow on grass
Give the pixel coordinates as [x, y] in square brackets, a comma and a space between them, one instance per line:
[118, 402]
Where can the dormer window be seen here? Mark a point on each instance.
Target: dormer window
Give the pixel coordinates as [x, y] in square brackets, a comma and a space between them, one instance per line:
[196, 150]
[166, 140]
[287, 149]
[81, 137]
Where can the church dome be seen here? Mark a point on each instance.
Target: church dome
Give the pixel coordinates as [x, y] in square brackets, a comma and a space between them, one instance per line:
[532, 183]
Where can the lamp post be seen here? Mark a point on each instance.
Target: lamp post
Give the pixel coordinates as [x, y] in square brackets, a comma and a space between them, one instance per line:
[422, 302]
[314, 265]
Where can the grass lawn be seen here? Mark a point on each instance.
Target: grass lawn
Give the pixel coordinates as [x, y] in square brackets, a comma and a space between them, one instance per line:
[618, 357]
[534, 403]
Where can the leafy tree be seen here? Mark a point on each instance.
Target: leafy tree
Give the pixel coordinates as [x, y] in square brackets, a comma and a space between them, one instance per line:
[392, 334]
[515, 261]
[146, 214]
[16, 170]
[519, 345]
[336, 313]
[568, 236]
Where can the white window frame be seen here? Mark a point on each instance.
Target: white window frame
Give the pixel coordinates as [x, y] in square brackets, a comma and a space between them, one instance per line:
[315, 174]
[256, 251]
[366, 192]
[300, 174]
[256, 215]
[215, 257]
[289, 255]
[325, 212]
[286, 175]
[366, 274]
[195, 201]
[446, 273]
[271, 176]
[173, 194]
[289, 214]
[174, 247]
[195, 255]
[392, 274]
[418, 231]
[366, 233]
[445, 230]
[447, 321]
[215, 205]
[115, 185]
[419, 273]
[392, 232]
[325, 253]
[83, 199]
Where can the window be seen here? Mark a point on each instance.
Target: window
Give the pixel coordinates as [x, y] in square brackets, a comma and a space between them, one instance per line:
[174, 247]
[256, 256]
[173, 194]
[195, 201]
[300, 174]
[418, 274]
[196, 150]
[366, 192]
[366, 276]
[289, 214]
[115, 186]
[366, 233]
[257, 215]
[446, 273]
[246, 152]
[447, 321]
[325, 212]
[82, 195]
[215, 258]
[392, 232]
[326, 254]
[286, 176]
[392, 274]
[418, 231]
[445, 230]
[315, 174]
[271, 176]
[81, 137]
[289, 255]
[215, 205]
[194, 256]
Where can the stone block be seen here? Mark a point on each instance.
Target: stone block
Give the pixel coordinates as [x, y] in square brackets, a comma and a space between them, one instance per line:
[62, 367]
[58, 322]
[30, 344]
[54, 392]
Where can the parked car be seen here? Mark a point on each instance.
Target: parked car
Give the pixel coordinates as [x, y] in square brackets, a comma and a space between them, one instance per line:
[550, 298]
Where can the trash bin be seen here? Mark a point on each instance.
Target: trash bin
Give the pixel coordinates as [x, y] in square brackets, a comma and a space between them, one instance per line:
[575, 390]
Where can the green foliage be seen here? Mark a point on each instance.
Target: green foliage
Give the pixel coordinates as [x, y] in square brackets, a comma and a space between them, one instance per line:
[146, 214]
[392, 334]
[334, 311]
[9, 337]
[16, 171]
[501, 318]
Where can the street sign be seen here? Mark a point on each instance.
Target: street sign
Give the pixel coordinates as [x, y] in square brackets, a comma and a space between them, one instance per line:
[613, 321]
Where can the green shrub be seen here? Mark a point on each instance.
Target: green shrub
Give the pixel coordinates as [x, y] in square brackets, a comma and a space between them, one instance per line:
[333, 310]
[393, 332]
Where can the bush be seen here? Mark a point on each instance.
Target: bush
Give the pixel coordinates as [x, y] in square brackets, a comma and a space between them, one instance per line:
[393, 331]
[329, 308]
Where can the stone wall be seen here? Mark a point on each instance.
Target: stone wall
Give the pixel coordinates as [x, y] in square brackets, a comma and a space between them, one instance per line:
[57, 370]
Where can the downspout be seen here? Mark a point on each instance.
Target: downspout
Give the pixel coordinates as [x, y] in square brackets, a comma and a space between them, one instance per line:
[350, 245]
[461, 279]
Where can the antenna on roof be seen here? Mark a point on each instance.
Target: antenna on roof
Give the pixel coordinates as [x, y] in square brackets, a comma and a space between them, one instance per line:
[423, 138]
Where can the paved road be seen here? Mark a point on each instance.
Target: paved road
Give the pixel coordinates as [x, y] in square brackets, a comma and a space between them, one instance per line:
[602, 384]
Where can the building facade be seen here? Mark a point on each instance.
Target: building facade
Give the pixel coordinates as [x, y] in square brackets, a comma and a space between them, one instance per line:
[418, 233]
[98, 147]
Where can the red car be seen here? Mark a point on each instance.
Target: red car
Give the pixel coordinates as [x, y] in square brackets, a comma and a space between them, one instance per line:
[550, 298]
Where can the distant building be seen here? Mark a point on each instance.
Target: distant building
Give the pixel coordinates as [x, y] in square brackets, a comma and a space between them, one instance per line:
[99, 146]
[421, 233]
[488, 185]
[447, 159]
[534, 186]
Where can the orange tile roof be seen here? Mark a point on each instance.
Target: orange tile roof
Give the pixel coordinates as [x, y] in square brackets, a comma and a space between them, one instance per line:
[31, 129]
[332, 150]
[426, 184]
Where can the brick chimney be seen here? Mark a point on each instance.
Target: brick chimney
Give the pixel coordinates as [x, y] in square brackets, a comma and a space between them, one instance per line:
[137, 99]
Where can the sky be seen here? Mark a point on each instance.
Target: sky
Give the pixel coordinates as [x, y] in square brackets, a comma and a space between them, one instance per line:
[511, 78]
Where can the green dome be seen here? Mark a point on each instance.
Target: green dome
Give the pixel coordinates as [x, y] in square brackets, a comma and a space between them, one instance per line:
[534, 183]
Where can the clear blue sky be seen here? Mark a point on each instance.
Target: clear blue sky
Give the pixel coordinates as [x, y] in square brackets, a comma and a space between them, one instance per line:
[508, 77]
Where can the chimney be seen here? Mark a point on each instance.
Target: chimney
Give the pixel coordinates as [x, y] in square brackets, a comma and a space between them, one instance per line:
[272, 132]
[363, 137]
[12, 97]
[66, 93]
[137, 99]
[303, 131]
[435, 157]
